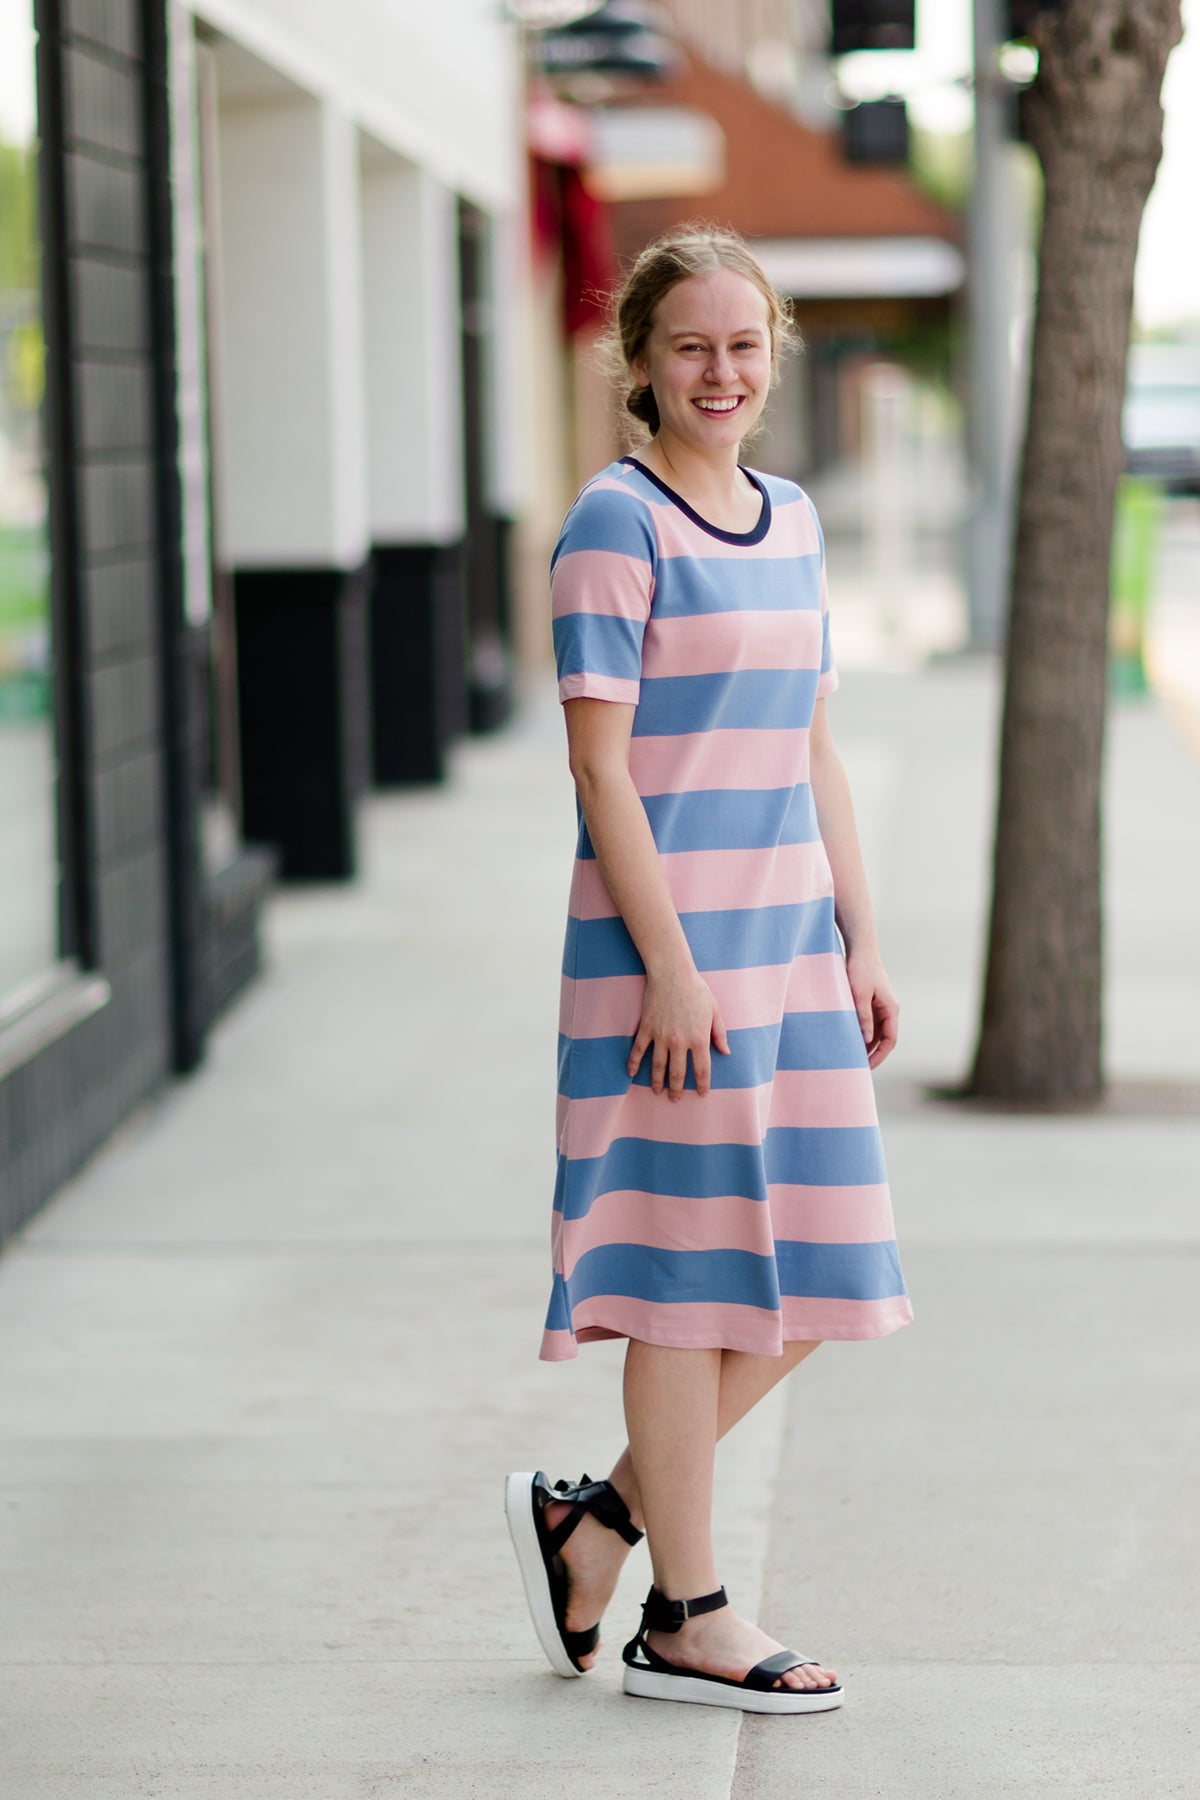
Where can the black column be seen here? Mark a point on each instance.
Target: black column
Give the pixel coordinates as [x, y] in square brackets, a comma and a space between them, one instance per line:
[418, 684]
[303, 713]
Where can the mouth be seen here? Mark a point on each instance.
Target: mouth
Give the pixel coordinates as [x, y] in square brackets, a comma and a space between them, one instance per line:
[719, 407]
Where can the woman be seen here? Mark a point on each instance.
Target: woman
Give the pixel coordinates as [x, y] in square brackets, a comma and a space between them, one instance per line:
[721, 1198]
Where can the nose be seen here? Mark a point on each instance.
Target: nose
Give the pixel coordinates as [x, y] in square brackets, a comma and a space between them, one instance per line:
[720, 370]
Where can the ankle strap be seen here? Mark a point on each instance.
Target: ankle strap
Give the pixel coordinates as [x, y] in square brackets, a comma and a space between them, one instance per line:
[661, 1614]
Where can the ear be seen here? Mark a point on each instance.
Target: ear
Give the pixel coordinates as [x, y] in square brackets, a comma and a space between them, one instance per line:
[640, 372]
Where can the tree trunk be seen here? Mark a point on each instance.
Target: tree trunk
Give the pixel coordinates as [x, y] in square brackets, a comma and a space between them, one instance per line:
[1094, 118]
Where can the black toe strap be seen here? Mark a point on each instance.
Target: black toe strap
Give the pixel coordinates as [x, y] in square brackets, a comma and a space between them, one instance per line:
[765, 1674]
[580, 1643]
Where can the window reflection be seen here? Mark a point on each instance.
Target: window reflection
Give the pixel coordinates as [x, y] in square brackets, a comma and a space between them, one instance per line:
[28, 850]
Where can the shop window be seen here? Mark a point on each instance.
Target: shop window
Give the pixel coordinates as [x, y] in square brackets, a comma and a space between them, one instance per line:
[28, 830]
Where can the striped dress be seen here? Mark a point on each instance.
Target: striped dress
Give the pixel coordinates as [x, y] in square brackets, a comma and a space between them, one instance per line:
[759, 1212]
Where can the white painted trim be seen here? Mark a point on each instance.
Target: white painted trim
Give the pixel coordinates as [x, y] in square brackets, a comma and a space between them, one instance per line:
[373, 111]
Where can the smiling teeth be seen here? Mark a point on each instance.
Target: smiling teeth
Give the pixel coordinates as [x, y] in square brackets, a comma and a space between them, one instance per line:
[719, 405]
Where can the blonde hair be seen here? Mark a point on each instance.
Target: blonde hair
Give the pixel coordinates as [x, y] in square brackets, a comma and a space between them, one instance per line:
[695, 248]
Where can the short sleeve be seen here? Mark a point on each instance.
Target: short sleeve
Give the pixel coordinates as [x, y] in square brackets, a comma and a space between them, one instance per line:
[601, 587]
[828, 680]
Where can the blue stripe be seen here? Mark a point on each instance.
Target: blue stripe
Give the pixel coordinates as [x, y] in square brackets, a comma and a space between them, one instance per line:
[823, 1155]
[744, 700]
[747, 937]
[608, 519]
[730, 819]
[558, 1316]
[737, 1277]
[589, 1068]
[690, 586]
[839, 1271]
[674, 1277]
[826, 647]
[596, 1066]
[692, 1171]
[821, 1040]
[801, 1156]
[595, 644]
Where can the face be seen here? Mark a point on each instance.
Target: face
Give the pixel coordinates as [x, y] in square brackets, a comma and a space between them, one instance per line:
[708, 358]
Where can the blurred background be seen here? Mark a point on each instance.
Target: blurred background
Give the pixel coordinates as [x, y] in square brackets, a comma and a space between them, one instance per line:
[298, 310]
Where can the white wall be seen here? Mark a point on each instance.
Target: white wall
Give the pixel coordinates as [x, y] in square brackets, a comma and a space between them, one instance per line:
[440, 84]
[413, 358]
[293, 477]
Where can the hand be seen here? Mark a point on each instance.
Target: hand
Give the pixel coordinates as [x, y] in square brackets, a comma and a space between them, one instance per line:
[877, 1006]
[679, 1014]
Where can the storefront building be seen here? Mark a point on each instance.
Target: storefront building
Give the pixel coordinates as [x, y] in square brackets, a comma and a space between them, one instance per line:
[261, 455]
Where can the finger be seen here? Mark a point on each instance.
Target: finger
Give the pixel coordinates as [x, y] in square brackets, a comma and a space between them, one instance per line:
[888, 1032]
[866, 1020]
[702, 1064]
[658, 1066]
[640, 1045]
[719, 1035]
[678, 1072]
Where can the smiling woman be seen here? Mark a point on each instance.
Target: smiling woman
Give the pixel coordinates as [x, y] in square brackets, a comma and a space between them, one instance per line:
[721, 1199]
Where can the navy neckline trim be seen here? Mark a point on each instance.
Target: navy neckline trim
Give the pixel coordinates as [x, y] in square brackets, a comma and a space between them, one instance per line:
[755, 536]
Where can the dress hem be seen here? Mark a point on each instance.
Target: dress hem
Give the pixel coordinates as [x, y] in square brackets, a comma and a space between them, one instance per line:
[563, 1346]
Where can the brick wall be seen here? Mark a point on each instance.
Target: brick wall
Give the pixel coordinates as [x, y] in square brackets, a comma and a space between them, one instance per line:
[68, 1077]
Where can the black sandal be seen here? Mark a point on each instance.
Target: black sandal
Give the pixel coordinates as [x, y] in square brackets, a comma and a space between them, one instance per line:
[654, 1678]
[543, 1571]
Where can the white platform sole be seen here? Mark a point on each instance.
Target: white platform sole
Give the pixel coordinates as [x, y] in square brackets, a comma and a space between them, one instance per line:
[518, 1509]
[650, 1685]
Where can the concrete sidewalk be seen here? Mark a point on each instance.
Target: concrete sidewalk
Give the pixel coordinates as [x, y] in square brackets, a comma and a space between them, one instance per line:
[270, 1357]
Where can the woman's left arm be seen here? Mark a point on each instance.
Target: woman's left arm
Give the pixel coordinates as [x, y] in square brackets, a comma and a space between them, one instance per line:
[876, 1004]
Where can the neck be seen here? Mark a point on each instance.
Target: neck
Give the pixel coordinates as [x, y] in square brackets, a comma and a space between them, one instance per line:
[690, 469]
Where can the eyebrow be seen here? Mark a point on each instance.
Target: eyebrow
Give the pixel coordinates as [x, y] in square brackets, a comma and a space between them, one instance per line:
[742, 331]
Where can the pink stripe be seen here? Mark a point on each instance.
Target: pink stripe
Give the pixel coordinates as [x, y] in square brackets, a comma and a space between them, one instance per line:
[598, 687]
[717, 643]
[606, 1006]
[708, 1325]
[830, 1215]
[682, 1324]
[793, 533]
[748, 997]
[818, 984]
[612, 1005]
[822, 1098]
[560, 1118]
[717, 880]
[816, 1099]
[718, 759]
[806, 1319]
[667, 1222]
[601, 581]
[722, 1116]
[557, 1346]
[621, 482]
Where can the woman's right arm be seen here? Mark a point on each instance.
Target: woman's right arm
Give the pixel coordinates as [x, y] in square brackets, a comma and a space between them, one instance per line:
[679, 1013]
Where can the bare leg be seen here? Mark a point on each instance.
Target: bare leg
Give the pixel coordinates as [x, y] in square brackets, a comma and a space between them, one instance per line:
[671, 1401]
[593, 1554]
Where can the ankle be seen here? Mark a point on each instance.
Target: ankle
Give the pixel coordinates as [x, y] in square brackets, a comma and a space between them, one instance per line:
[625, 1482]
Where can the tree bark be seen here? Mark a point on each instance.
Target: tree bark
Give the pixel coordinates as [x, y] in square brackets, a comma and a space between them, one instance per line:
[1094, 117]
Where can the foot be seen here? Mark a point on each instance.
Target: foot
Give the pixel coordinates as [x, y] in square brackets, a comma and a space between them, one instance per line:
[594, 1557]
[720, 1643]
